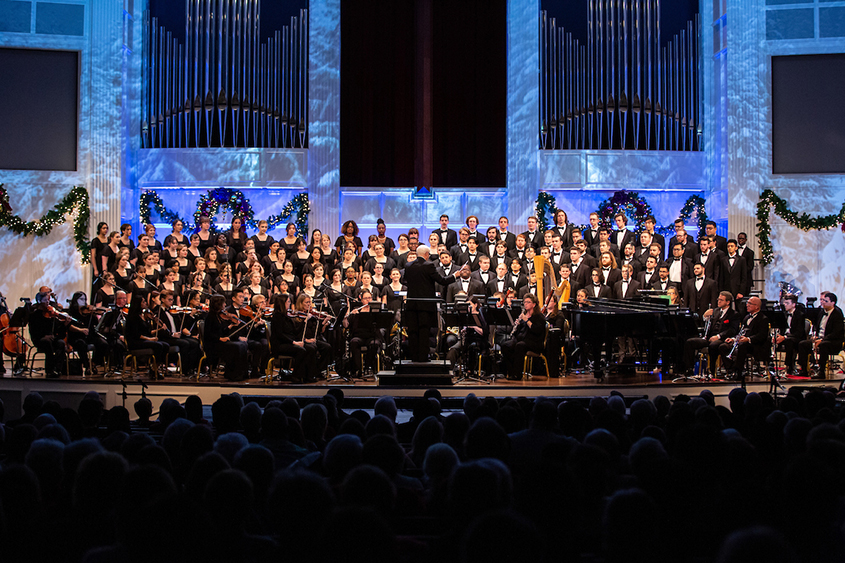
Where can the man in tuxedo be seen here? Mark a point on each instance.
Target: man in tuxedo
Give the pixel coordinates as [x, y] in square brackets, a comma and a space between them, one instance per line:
[662, 283]
[754, 341]
[654, 251]
[464, 283]
[596, 289]
[518, 251]
[500, 256]
[649, 224]
[709, 258]
[641, 251]
[680, 267]
[504, 235]
[517, 278]
[591, 235]
[734, 272]
[483, 273]
[558, 255]
[604, 236]
[533, 236]
[700, 292]
[528, 263]
[472, 256]
[446, 268]
[580, 271]
[628, 258]
[649, 275]
[530, 288]
[690, 248]
[622, 236]
[447, 236]
[563, 228]
[422, 278]
[627, 287]
[588, 258]
[678, 226]
[501, 282]
[829, 331]
[748, 255]
[462, 246]
[795, 331]
[719, 242]
[724, 324]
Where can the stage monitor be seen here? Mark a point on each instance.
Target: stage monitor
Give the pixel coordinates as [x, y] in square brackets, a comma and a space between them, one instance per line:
[39, 101]
[808, 117]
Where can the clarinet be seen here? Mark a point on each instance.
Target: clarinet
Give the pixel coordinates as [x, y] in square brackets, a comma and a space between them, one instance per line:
[519, 322]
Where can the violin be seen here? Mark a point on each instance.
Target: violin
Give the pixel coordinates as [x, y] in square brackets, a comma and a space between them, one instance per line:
[52, 313]
[229, 317]
[321, 315]
[246, 312]
[90, 309]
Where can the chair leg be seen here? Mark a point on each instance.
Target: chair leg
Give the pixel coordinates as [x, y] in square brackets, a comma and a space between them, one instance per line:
[546, 363]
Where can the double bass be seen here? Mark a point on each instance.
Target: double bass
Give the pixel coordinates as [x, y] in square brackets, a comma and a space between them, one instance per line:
[13, 343]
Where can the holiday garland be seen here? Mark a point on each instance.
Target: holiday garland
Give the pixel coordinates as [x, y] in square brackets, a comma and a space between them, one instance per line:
[75, 200]
[629, 203]
[232, 201]
[545, 209]
[768, 199]
[151, 200]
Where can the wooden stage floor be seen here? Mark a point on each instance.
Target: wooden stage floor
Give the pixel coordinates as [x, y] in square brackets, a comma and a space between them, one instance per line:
[127, 389]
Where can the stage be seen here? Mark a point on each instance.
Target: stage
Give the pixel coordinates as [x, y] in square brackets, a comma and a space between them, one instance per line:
[120, 390]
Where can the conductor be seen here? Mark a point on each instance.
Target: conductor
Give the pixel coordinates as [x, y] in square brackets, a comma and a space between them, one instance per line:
[420, 309]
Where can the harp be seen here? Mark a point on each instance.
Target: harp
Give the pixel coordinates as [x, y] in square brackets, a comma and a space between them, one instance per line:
[543, 267]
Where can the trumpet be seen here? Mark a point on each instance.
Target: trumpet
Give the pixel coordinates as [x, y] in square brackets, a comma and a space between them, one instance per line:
[739, 335]
[707, 324]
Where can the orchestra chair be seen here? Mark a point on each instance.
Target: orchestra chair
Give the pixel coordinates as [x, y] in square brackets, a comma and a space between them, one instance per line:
[175, 350]
[78, 357]
[139, 354]
[528, 363]
[214, 366]
[276, 362]
[31, 353]
[379, 352]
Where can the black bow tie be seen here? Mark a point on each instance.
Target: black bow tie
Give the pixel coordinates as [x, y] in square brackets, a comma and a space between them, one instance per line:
[596, 285]
[699, 279]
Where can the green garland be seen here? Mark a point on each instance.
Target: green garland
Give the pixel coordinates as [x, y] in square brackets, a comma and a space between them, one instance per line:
[630, 203]
[804, 222]
[546, 209]
[151, 200]
[233, 201]
[76, 199]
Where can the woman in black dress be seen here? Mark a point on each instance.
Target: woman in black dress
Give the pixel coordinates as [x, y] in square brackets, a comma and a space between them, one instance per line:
[315, 258]
[225, 286]
[109, 257]
[349, 233]
[224, 251]
[185, 265]
[236, 237]
[138, 287]
[290, 278]
[269, 261]
[200, 272]
[171, 282]
[154, 271]
[220, 346]
[125, 240]
[349, 261]
[122, 270]
[370, 252]
[300, 258]
[391, 297]
[330, 255]
[98, 244]
[176, 233]
[205, 235]
[402, 249]
[105, 295]
[170, 254]
[380, 258]
[290, 240]
[380, 281]
[316, 239]
[319, 277]
[262, 240]
[194, 249]
[212, 266]
[139, 334]
[286, 339]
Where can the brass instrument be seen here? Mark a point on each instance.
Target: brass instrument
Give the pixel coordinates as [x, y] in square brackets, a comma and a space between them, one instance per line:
[739, 335]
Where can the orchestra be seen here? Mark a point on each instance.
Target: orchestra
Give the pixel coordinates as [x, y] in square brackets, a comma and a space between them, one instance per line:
[206, 294]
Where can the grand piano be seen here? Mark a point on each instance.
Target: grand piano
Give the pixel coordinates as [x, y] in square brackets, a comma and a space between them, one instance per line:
[652, 319]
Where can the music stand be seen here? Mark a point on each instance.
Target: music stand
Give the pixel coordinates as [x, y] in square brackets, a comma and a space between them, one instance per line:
[457, 314]
[498, 316]
[379, 320]
[777, 321]
[686, 324]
